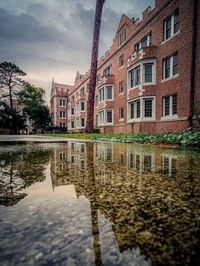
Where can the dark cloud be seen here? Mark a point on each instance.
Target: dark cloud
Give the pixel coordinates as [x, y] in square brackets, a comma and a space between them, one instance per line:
[49, 38]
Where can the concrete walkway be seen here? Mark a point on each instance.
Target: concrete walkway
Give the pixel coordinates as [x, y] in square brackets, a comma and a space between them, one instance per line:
[13, 139]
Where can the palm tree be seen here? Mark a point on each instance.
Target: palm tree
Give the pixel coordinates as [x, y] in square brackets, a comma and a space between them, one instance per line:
[93, 69]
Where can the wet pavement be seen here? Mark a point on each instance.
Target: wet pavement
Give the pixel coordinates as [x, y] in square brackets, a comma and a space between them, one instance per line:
[79, 203]
[31, 138]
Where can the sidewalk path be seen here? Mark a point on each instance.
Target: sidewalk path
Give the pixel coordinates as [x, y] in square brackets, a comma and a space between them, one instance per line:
[13, 139]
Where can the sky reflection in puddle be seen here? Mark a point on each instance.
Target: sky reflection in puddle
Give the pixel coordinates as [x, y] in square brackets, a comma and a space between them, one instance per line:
[105, 204]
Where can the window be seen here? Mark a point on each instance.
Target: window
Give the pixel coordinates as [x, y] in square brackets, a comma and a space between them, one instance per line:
[82, 106]
[82, 91]
[138, 109]
[132, 110]
[148, 108]
[109, 92]
[124, 35]
[121, 87]
[121, 60]
[171, 25]
[96, 100]
[137, 75]
[144, 42]
[101, 95]
[121, 113]
[62, 103]
[107, 71]
[101, 117]
[119, 39]
[72, 98]
[170, 105]
[62, 114]
[62, 124]
[142, 108]
[170, 66]
[148, 73]
[72, 110]
[109, 116]
[82, 122]
[72, 124]
[175, 64]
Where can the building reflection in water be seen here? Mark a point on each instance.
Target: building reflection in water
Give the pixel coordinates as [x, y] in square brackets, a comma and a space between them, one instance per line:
[149, 196]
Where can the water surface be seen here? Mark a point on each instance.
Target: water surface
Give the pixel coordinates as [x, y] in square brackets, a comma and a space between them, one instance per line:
[99, 204]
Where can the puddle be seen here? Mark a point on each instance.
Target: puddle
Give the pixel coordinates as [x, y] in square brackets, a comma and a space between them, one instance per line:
[82, 203]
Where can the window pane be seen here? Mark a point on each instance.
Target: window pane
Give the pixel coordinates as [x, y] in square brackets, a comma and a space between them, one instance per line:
[109, 92]
[121, 113]
[167, 68]
[168, 28]
[148, 73]
[124, 35]
[121, 87]
[137, 75]
[166, 102]
[82, 122]
[131, 73]
[132, 110]
[138, 108]
[175, 64]
[121, 60]
[144, 42]
[148, 108]
[174, 104]
[176, 22]
[82, 106]
[109, 116]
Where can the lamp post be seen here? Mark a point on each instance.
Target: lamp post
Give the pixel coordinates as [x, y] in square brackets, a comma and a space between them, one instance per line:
[10, 118]
[2, 108]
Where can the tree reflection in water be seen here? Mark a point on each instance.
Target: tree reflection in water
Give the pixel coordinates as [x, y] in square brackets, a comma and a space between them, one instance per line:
[150, 196]
[20, 169]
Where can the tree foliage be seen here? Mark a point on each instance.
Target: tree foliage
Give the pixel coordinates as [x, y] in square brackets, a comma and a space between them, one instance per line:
[34, 106]
[10, 82]
[11, 118]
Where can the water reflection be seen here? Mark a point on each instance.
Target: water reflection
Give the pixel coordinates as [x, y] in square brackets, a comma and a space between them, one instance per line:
[150, 196]
[20, 168]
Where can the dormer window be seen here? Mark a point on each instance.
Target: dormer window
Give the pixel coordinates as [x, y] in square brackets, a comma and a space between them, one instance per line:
[107, 71]
[144, 42]
[121, 37]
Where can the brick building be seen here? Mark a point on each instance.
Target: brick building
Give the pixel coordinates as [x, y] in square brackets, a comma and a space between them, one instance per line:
[147, 81]
[58, 102]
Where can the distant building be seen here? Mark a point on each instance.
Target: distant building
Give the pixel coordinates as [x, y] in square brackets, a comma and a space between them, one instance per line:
[58, 101]
[148, 80]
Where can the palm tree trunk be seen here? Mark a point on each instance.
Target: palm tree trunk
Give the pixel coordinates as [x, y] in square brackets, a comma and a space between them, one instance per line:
[93, 69]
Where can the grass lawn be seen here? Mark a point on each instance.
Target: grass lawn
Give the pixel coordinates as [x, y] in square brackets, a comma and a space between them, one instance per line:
[185, 138]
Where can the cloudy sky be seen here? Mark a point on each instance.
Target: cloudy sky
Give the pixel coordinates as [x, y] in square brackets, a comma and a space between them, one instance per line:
[53, 38]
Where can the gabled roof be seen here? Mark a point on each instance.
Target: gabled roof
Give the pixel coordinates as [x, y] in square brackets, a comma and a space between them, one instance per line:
[123, 20]
[62, 86]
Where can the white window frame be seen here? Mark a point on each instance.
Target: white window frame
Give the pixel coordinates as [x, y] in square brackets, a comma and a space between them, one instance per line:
[81, 105]
[121, 60]
[62, 103]
[121, 82]
[104, 87]
[172, 27]
[142, 64]
[62, 114]
[142, 117]
[71, 111]
[170, 116]
[103, 121]
[171, 76]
